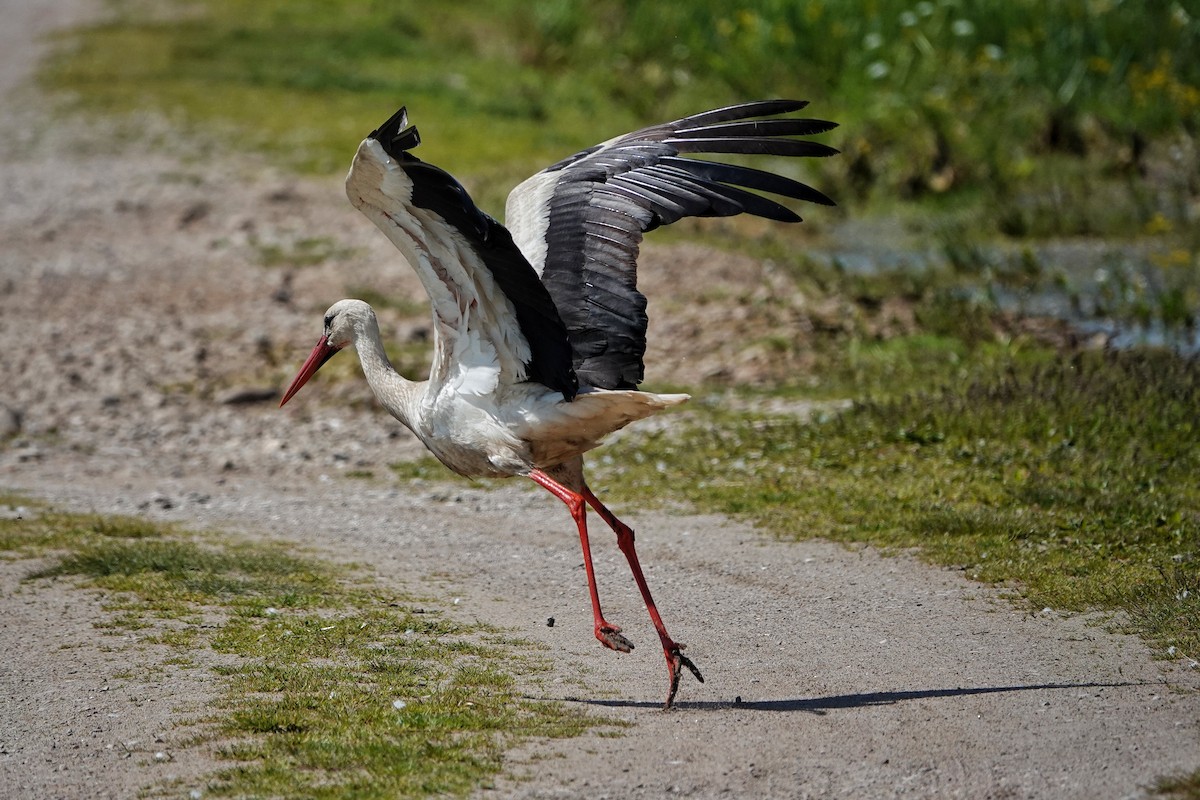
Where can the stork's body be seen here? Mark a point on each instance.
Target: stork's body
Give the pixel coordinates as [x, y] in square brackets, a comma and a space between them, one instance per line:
[539, 333]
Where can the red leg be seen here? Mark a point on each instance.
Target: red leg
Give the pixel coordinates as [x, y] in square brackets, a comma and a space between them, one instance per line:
[608, 634]
[676, 660]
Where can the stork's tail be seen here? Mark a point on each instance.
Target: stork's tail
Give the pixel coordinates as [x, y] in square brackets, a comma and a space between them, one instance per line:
[570, 429]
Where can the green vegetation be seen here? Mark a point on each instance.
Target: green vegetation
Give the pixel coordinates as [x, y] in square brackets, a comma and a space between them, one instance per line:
[1072, 479]
[424, 468]
[1074, 117]
[936, 96]
[1182, 787]
[303, 252]
[333, 686]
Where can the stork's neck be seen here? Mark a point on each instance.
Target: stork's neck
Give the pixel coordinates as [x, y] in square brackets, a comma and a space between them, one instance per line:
[398, 394]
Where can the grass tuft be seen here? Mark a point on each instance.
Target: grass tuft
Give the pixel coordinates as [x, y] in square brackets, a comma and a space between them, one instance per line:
[1179, 787]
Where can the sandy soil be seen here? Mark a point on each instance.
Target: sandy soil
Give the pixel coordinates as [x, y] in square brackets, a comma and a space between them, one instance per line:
[141, 329]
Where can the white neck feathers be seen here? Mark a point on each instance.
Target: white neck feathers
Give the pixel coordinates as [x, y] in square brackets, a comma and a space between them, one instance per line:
[396, 393]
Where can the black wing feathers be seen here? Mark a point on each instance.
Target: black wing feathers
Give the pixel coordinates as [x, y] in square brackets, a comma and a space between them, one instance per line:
[606, 319]
[747, 177]
[604, 198]
[750, 145]
[759, 127]
[757, 108]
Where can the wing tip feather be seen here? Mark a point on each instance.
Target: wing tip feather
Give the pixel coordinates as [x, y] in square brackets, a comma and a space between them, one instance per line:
[396, 135]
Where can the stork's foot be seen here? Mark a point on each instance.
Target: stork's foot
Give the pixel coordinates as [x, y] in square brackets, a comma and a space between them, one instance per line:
[676, 661]
[611, 637]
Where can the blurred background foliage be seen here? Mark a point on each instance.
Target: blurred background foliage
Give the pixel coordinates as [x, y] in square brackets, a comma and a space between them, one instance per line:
[1065, 118]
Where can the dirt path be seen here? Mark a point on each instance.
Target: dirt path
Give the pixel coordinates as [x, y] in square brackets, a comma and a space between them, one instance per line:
[130, 283]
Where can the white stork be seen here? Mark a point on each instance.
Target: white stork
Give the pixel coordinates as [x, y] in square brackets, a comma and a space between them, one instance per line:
[539, 328]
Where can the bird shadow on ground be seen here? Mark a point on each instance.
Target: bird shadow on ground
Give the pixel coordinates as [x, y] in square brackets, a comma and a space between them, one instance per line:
[823, 705]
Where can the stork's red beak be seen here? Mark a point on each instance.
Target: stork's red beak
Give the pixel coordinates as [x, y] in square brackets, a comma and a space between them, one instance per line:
[320, 354]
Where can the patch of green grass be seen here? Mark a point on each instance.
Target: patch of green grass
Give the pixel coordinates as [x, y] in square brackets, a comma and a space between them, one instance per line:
[1179, 787]
[12, 501]
[303, 252]
[417, 709]
[333, 687]
[45, 529]
[924, 362]
[1071, 478]
[425, 468]
[168, 572]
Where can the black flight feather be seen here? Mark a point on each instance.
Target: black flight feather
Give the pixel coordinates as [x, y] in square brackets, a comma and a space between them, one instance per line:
[604, 198]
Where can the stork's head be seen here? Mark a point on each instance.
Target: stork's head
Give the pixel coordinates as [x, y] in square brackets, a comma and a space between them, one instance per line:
[343, 322]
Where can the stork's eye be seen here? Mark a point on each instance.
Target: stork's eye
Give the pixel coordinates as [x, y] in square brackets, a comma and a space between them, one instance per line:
[328, 321]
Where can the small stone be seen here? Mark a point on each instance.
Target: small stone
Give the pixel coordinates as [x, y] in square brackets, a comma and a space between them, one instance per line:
[549, 622]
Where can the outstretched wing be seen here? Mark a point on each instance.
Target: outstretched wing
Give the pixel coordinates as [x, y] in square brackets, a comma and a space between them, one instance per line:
[494, 321]
[580, 222]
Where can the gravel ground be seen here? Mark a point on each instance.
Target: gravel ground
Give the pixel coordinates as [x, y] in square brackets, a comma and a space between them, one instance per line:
[144, 334]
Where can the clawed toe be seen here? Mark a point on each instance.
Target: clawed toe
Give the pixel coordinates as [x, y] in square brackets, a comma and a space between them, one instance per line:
[676, 661]
[611, 637]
